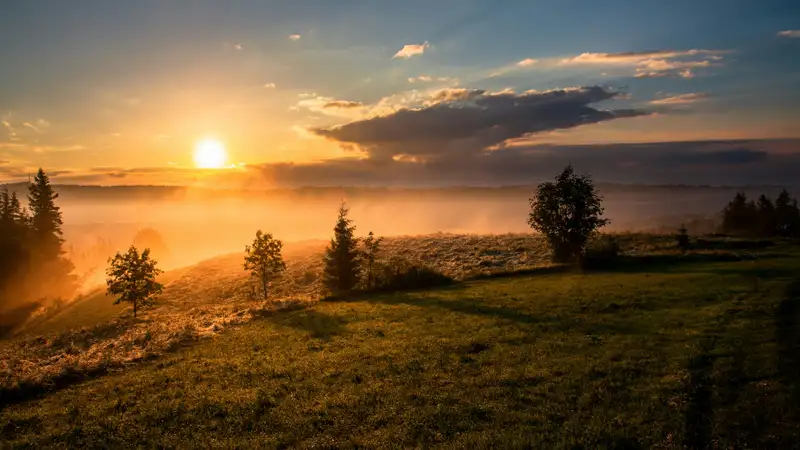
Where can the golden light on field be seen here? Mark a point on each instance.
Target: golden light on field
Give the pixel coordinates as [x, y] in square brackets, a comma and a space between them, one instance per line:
[210, 154]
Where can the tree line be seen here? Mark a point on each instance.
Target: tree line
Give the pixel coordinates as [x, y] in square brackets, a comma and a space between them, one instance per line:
[762, 218]
[33, 265]
[568, 212]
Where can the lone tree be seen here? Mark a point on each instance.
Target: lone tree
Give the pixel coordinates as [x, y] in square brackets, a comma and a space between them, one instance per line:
[132, 278]
[263, 259]
[342, 262]
[372, 246]
[45, 219]
[567, 212]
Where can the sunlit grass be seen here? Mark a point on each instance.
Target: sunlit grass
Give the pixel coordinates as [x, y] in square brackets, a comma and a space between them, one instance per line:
[675, 355]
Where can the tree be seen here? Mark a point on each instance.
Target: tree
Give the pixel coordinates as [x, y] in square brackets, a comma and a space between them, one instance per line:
[766, 216]
[372, 247]
[45, 217]
[342, 262]
[263, 259]
[152, 239]
[682, 238]
[787, 215]
[567, 213]
[132, 278]
[740, 216]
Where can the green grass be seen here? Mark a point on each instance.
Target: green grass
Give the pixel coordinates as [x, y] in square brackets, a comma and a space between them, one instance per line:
[674, 354]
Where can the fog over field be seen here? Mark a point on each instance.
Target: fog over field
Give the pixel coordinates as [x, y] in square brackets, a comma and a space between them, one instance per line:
[201, 223]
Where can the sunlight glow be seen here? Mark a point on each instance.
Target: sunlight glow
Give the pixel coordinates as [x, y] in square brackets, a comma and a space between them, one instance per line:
[210, 154]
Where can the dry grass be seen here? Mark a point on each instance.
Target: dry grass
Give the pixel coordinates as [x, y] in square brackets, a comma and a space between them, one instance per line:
[217, 294]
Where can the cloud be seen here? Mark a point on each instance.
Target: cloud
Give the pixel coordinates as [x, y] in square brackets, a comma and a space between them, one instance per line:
[428, 79]
[789, 33]
[269, 85]
[527, 62]
[342, 104]
[294, 37]
[693, 162]
[410, 50]
[456, 123]
[238, 46]
[681, 99]
[654, 64]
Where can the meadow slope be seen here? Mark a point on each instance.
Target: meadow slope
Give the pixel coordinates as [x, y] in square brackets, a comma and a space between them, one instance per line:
[664, 351]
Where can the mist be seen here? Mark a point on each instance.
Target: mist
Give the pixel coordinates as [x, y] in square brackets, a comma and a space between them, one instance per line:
[198, 224]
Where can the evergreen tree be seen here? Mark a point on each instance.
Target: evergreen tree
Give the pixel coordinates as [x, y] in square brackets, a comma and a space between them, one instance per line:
[45, 217]
[342, 259]
[372, 246]
[740, 216]
[766, 216]
[787, 215]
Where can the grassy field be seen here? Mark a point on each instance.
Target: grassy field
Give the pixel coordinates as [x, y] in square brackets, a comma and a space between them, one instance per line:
[662, 352]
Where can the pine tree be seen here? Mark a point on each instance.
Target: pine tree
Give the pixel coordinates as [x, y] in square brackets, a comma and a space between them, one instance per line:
[342, 261]
[787, 215]
[45, 217]
[740, 216]
[766, 216]
[372, 246]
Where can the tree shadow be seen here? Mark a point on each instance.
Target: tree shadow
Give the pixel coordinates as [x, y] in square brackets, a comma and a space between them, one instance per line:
[11, 319]
[318, 324]
[471, 307]
[787, 324]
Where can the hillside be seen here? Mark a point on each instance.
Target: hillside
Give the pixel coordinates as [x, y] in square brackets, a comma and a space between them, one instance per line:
[666, 351]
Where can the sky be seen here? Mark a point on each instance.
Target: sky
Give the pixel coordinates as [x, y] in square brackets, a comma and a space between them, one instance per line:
[419, 93]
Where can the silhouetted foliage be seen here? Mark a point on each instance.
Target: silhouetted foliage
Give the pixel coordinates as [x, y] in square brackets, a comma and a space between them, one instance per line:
[399, 274]
[342, 257]
[682, 238]
[567, 213]
[263, 259]
[765, 218]
[787, 216]
[32, 262]
[372, 246]
[132, 278]
[601, 253]
[45, 219]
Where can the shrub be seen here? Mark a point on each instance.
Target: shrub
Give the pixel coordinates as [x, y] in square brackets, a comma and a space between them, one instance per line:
[682, 238]
[401, 274]
[567, 212]
[601, 253]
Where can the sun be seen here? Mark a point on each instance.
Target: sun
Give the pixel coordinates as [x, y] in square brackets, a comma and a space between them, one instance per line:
[210, 154]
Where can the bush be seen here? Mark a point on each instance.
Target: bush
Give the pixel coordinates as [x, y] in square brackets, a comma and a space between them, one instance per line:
[601, 253]
[682, 238]
[400, 274]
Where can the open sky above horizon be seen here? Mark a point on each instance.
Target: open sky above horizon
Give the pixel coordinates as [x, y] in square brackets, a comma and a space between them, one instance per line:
[400, 93]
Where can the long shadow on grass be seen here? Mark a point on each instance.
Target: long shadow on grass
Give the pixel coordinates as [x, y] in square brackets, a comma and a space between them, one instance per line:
[674, 263]
[787, 324]
[317, 324]
[467, 307]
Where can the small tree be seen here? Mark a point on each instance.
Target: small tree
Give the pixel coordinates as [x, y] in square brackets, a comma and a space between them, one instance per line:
[682, 238]
[567, 213]
[766, 216]
[342, 262]
[131, 278]
[263, 259]
[787, 215]
[372, 246]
